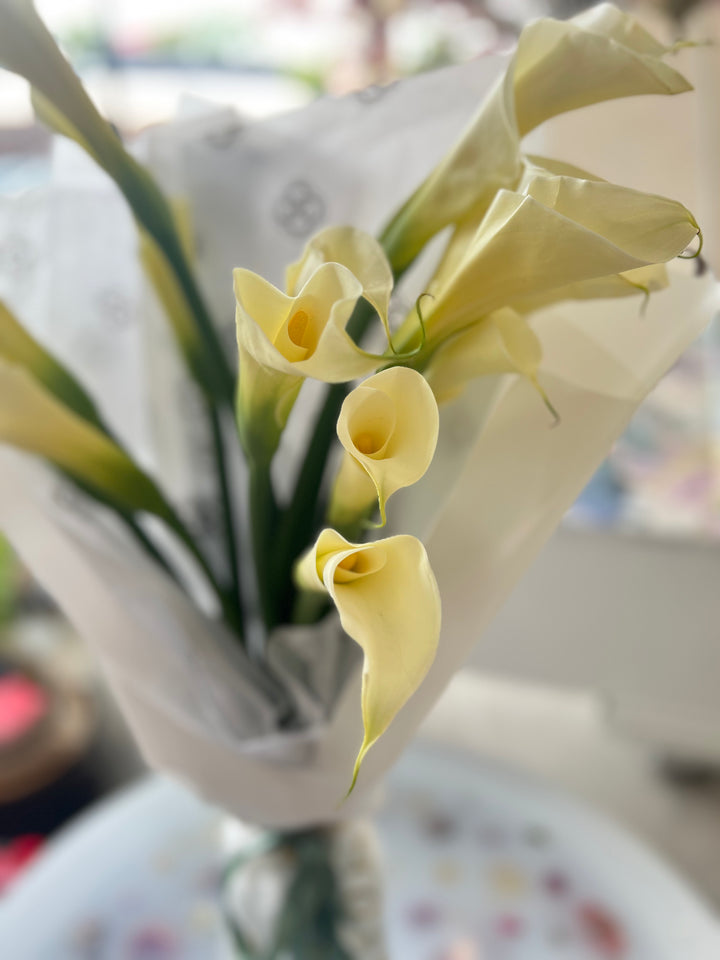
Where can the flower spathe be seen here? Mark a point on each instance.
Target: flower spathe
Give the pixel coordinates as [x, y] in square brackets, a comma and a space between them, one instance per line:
[560, 231]
[388, 601]
[285, 337]
[388, 427]
[607, 53]
[359, 252]
[502, 343]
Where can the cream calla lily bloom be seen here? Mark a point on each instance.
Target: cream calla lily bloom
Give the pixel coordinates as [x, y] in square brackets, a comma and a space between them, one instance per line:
[619, 59]
[285, 337]
[32, 419]
[303, 335]
[559, 232]
[388, 601]
[389, 429]
[360, 252]
[501, 343]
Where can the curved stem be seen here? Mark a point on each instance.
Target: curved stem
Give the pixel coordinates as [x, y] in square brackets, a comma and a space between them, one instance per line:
[263, 524]
[231, 612]
[228, 511]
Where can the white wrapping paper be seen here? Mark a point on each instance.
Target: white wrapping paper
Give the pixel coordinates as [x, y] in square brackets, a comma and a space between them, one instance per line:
[255, 193]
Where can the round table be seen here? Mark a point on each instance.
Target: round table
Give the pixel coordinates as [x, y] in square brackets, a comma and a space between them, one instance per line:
[483, 863]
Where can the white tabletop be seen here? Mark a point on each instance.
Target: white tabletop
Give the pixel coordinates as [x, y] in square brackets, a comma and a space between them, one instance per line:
[483, 863]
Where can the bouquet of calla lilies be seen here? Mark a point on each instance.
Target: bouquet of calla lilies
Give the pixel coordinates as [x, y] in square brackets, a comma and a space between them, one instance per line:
[452, 375]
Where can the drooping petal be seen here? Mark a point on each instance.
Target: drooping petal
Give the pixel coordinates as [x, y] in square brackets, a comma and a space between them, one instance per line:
[32, 419]
[561, 232]
[650, 228]
[360, 252]
[501, 343]
[17, 346]
[389, 427]
[607, 54]
[639, 282]
[388, 601]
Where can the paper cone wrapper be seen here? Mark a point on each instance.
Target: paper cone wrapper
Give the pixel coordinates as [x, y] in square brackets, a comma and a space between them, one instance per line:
[256, 192]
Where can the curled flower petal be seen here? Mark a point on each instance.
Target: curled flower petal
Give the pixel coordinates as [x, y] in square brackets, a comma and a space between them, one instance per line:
[389, 427]
[359, 252]
[608, 55]
[561, 231]
[501, 343]
[388, 601]
[32, 419]
[619, 59]
[642, 280]
[284, 339]
[303, 335]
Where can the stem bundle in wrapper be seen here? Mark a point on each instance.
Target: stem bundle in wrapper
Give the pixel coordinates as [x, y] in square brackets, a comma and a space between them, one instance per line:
[376, 464]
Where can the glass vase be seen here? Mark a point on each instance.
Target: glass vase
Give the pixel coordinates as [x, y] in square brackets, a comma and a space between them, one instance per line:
[305, 895]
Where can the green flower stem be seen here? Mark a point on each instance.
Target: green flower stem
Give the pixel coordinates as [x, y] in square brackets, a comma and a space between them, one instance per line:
[147, 544]
[301, 517]
[213, 364]
[231, 612]
[309, 607]
[311, 916]
[228, 512]
[263, 526]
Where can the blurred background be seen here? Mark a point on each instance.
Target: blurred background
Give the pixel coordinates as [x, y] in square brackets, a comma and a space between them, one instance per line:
[619, 702]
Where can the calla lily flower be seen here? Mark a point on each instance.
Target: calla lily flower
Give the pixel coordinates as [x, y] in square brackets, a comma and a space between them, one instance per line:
[28, 49]
[618, 58]
[34, 420]
[501, 343]
[557, 233]
[284, 338]
[389, 429]
[388, 601]
[359, 252]
[18, 347]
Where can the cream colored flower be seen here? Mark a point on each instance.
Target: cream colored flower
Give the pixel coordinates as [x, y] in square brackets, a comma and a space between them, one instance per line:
[359, 252]
[285, 337]
[501, 343]
[558, 66]
[558, 233]
[388, 602]
[389, 429]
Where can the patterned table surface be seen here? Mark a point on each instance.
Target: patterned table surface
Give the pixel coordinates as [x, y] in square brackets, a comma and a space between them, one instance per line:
[483, 863]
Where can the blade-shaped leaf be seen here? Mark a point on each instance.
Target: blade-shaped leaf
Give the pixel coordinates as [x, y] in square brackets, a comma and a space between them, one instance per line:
[19, 347]
[34, 420]
[28, 49]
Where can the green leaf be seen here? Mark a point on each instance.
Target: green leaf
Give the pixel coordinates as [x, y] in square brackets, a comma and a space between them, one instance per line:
[28, 49]
[34, 420]
[17, 346]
